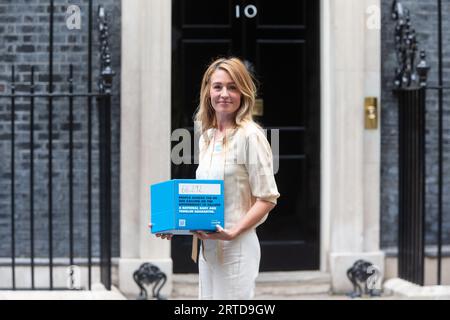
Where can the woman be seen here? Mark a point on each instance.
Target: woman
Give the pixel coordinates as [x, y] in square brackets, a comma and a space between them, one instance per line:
[233, 148]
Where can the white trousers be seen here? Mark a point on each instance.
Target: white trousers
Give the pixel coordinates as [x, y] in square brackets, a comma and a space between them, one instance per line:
[228, 270]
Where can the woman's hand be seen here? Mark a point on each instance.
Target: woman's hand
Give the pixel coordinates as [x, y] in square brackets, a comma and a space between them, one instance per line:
[259, 209]
[221, 234]
[167, 236]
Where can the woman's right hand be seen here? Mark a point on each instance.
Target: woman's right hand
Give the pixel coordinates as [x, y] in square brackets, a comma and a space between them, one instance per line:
[167, 236]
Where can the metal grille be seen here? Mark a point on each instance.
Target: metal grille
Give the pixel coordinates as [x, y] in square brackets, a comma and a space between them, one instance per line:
[411, 88]
[102, 100]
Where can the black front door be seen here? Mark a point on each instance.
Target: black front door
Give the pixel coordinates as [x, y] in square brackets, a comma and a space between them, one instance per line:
[280, 39]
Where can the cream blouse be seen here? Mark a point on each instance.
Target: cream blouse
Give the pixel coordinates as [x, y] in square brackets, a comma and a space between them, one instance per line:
[243, 159]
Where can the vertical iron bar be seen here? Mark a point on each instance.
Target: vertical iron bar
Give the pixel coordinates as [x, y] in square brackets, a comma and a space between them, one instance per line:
[89, 77]
[420, 184]
[407, 111]
[102, 183]
[32, 175]
[406, 180]
[416, 189]
[402, 182]
[416, 184]
[405, 167]
[108, 187]
[50, 134]
[412, 183]
[105, 188]
[400, 240]
[108, 190]
[409, 184]
[412, 188]
[71, 164]
[101, 106]
[423, 184]
[440, 177]
[13, 212]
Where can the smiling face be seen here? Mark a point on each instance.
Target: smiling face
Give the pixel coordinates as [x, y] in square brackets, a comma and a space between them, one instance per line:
[224, 93]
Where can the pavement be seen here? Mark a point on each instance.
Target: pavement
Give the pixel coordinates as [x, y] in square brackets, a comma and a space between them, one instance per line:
[291, 285]
[60, 295]
[92, 295]
[303, 285]
[98, 292]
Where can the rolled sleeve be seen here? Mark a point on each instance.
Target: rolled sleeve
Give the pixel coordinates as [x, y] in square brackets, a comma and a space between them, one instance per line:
[259, 164]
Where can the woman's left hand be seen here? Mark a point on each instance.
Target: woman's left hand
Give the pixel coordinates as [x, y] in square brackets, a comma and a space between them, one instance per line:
[221, 234]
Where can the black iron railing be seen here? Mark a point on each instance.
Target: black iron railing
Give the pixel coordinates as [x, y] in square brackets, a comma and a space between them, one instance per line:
[104, 115]
[103, 102]
[411, 233]
[411, 88]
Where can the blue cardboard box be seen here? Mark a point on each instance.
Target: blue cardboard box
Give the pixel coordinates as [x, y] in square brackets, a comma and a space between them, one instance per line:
[180, 206]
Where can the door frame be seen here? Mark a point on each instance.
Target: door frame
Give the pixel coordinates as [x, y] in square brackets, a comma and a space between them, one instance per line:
[363, 219]
[324, 131]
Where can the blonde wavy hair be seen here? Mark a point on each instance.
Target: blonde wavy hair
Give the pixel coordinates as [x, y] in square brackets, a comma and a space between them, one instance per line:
[205, 116]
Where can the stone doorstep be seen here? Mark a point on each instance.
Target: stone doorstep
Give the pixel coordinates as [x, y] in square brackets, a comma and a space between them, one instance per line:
[408, 290]
[284, 277]
[98, 292]
[290, 283]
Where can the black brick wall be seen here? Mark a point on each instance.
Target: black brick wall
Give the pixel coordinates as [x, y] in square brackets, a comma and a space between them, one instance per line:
[424, 20]
[24, 36]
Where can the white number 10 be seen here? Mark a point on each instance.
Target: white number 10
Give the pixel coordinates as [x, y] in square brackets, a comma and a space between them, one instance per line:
[250, 11]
